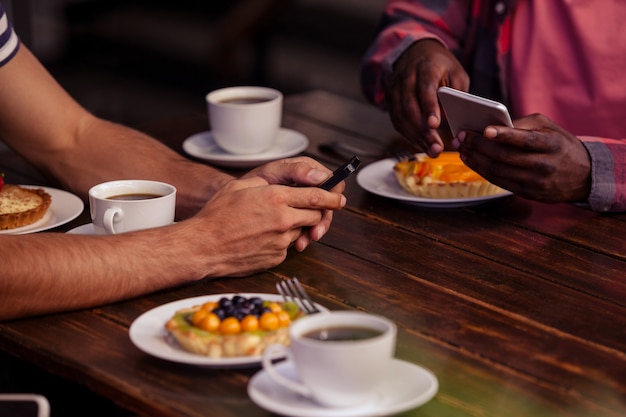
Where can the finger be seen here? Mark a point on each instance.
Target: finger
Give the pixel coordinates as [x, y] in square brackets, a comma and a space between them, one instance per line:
[299, 170]
[313, 198]
[529, 141]
[427, 96]
[459, 79]
[315, 232]
[302, 241]
[319, 230]
[407, 113]
[499, 164]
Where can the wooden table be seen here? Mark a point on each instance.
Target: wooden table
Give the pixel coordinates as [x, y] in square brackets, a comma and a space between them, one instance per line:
[519, 308]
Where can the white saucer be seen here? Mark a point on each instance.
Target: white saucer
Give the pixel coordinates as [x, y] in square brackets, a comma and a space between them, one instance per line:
[406, 386]
[203, 146]
[85, 229]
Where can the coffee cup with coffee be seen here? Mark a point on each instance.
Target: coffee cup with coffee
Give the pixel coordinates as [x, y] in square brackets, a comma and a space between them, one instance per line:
[127, 205]
[245, 120]
[340, 357]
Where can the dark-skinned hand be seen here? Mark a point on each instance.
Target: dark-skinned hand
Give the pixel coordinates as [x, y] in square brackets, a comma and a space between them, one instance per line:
[537, 159]
[412, 95]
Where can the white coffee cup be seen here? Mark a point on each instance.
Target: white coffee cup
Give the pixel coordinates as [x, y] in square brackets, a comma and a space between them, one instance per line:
[245, 120]
[339, 373]
[127, 205]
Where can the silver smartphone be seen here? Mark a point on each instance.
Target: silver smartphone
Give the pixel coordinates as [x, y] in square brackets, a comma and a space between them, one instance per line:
[466, 111]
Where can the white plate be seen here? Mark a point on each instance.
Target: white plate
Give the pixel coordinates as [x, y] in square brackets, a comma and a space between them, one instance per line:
[378, 178]
[203, 146]
[64, 208]
[406, 386]
[148, 333]
[85, 229]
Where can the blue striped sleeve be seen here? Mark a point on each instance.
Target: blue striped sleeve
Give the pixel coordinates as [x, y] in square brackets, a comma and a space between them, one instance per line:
[9, 42]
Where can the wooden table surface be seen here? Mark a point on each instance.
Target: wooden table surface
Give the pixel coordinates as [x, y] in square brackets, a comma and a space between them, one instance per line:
[519, 308]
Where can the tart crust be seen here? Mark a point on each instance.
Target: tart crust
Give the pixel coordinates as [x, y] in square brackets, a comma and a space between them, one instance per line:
[21, 206]
[444, 177]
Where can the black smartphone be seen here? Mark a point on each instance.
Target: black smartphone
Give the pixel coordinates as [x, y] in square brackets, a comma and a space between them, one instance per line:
[24, 405]
[341, 173]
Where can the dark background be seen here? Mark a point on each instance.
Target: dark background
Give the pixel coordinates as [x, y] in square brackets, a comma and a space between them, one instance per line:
[137, 60]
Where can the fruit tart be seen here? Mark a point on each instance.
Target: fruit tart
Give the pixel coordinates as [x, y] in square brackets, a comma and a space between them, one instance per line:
[444, 177]
[230, 327]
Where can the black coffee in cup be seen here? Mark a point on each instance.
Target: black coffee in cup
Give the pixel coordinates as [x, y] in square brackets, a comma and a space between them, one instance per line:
[245, 100]
[338, 334]
[134, 196]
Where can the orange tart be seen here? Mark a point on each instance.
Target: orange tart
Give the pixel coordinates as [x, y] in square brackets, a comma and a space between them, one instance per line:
[21, 206]
[443, 177]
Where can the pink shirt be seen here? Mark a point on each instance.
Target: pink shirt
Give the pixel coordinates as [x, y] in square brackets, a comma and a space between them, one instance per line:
[548, 63]
[547, 39]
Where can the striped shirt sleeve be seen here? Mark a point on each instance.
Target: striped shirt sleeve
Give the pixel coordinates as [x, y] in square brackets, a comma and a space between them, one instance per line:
[9, 42]
[608, 173]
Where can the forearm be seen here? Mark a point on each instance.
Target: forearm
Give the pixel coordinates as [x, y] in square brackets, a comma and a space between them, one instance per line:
[51, 272]
[79, 150]
[100, 158]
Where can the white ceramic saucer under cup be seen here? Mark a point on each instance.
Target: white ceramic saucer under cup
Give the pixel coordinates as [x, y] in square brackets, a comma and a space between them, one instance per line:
[85, 229]
[202, 145]
[405, 387]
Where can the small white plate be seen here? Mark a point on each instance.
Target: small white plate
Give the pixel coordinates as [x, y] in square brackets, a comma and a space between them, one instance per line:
[85, 229]
[64, 207]
[406, 386]
[148, 333]
[203, 146]
[378, 178]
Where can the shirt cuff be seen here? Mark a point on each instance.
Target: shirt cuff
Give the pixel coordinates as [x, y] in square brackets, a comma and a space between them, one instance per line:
[602, 194]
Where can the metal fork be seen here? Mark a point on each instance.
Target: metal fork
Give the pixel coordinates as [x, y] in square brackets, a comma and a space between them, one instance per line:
[402, 155]
[291, 290]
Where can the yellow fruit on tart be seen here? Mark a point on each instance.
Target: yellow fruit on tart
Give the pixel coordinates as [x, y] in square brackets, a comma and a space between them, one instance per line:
[231, 327]
[443, 177]
[21, 206]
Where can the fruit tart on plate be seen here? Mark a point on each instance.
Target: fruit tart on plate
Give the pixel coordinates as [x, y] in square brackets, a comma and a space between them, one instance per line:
[444, 177]
[237, 326]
